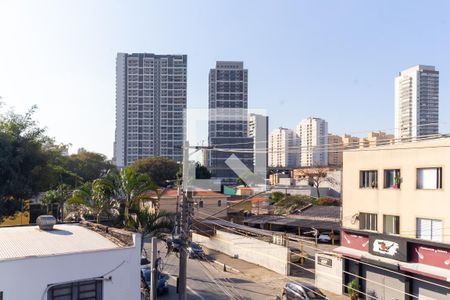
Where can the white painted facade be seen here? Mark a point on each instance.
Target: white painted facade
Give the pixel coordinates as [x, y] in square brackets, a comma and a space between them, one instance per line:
[416, 103]
[283, 148]
[69, 254]
[313, 134]
[258, 129]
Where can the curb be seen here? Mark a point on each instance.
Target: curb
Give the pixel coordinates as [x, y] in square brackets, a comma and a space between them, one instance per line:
[228, 268]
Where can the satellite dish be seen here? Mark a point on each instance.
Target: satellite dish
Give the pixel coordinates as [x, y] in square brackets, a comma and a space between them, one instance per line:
[355, 218]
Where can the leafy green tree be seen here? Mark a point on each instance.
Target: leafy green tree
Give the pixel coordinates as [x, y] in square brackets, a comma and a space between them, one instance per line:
[316, 176]
[88, 166]
[276, 197]
[290, 204]
[201, 172]
[159, 169]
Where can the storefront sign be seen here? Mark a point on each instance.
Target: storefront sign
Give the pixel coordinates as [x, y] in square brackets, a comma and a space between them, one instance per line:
[388, 246]
[428, 255]
[327, 262]
[385, 247]
[355, 241]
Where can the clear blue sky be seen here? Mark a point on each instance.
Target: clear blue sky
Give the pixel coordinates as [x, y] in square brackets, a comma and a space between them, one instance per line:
[331, 59]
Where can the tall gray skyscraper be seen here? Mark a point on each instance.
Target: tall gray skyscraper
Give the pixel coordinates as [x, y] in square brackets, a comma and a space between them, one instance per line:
[416, 103]
[228, 117]
[150, 103]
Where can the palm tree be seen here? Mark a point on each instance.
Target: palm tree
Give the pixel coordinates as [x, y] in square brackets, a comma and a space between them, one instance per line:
[58, 197]
[94, 198]
[133, 188]
[150, 224]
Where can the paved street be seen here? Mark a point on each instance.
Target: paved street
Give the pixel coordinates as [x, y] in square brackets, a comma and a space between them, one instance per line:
[207, 280]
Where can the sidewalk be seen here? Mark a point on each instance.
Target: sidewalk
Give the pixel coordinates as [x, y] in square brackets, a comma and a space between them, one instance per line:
[261, 274]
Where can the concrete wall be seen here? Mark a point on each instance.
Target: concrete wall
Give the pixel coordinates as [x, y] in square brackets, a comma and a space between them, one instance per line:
[329, 273]
[28, 278]
[270, 256]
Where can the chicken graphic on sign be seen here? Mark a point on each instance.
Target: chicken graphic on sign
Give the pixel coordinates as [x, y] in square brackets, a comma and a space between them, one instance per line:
[385, 247]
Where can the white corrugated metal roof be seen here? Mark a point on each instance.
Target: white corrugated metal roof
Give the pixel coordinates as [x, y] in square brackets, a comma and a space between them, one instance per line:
[30, 241]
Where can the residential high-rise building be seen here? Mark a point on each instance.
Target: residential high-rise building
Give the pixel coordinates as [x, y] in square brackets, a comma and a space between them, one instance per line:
[150, 103]
[228, 118]
[258, 129]
[284, 148]
[416, 103]
[313, 133]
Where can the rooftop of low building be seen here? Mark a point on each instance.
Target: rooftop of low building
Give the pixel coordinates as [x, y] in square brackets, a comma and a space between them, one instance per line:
[21, 242]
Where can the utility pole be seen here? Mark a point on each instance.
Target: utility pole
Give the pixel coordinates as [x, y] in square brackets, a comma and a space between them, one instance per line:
[153, 269]
[184, 233]
[185, 219]
[177, 213]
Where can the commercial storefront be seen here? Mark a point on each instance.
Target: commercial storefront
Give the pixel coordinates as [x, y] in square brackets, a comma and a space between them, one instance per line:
[391, 267]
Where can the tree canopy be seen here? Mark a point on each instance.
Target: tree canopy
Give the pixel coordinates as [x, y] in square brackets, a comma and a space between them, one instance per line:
[32, 163]
[159, 169]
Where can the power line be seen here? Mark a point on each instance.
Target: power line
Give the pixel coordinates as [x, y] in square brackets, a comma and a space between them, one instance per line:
[317, 249]
[349, 133]
[314, 271]
[340, 148]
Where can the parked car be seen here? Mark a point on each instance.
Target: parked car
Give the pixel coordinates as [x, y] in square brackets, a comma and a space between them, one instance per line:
[302, 291]
[325, 237]
[161, 284]
[195, 251]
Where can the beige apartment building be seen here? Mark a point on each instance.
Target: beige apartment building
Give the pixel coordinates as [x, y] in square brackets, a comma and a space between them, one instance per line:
[336, 144]
[376, 138]
[396, 219]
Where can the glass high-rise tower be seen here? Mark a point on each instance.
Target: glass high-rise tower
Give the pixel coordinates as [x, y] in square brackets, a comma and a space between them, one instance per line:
[228, 118]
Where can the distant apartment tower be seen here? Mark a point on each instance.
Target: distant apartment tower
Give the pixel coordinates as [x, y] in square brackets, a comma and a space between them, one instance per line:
[150, 103]
[335, 148]
[284, 149]
[228, 118]
[376, 138]
[416, 103]
[313, 133]
[258, 129]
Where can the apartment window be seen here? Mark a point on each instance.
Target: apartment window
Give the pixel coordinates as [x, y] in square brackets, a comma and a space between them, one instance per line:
[81, 290]
[219, 203]
[368, 179]
[368, 221]
[392, 179]
[391, 224]
[429, 229]
[429, 178]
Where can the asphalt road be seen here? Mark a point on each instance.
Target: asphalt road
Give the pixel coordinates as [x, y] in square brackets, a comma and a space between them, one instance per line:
[207, 280]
